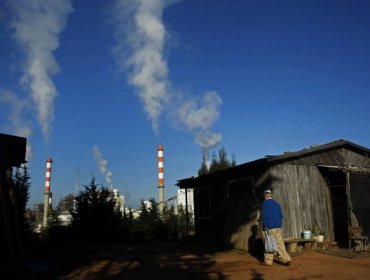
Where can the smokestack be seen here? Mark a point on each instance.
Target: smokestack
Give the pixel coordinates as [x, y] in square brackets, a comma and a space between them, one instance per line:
[160, 177]
[47, 194]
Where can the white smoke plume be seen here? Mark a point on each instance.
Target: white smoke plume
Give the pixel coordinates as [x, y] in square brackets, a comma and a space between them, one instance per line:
[198, 116]
[140, 30]
[37, 25]
[18, 125]
[102, 164]
[141, 37]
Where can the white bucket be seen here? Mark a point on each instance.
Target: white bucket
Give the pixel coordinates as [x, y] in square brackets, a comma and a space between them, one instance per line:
[321, 238]
[307, 234]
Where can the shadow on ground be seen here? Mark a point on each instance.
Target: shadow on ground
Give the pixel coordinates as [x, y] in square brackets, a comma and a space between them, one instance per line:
[139, 261]
[343, 252]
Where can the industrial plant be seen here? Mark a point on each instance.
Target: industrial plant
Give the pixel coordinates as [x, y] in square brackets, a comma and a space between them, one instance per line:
[41, 211]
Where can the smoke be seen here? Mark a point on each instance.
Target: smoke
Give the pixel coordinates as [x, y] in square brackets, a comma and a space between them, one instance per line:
[141, 37]
[140, 30]
[198, 116]
[18, 123]
[102, 165]
[37, 25]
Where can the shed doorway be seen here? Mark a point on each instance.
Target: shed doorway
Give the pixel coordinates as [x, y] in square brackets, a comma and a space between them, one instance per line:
[336, 180]
[360, 197]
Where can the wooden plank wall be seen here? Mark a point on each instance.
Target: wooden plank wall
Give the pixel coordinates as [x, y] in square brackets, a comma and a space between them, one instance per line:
[304, 197]
[354, 159]
[243, 214]
[241, 218]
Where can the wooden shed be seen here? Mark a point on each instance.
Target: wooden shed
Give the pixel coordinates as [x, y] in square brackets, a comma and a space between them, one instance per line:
[326, 185]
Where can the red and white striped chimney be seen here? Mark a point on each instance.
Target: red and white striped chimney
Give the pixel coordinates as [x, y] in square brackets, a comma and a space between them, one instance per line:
[160, 177]
[48, 175]
[47, 194]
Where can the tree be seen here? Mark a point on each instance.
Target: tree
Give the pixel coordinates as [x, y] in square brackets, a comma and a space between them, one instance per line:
[127, 224]
[220, 163]
[182, 221]
[145, 226]
[95, 216]
[171, 221]
[203, 167]
[22, 184]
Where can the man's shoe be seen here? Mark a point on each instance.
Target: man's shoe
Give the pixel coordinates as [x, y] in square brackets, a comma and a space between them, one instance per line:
[288, 263]
[265, 264]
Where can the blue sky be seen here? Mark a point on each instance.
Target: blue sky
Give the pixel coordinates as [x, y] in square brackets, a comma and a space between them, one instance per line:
[255, 77]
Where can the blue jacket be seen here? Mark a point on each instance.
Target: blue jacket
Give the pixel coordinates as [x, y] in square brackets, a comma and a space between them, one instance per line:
[272, 216]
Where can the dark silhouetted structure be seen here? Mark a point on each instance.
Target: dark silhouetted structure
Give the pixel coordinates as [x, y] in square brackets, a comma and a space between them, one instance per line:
[12, 154]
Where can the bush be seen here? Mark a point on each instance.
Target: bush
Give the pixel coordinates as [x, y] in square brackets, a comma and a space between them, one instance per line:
[96, 217]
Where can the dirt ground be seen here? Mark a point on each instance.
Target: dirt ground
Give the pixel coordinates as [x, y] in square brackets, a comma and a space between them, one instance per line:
[180, 262]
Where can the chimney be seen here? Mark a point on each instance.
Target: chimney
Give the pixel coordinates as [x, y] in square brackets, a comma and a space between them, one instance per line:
[160, 177]
[47, 194]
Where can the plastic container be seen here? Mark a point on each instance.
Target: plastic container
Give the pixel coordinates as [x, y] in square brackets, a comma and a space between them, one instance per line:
[307, 234]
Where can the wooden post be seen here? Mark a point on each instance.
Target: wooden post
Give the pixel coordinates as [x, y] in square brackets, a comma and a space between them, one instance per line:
[349, 203]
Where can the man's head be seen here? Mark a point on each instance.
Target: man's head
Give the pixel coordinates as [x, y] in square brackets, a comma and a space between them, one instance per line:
[267, 194]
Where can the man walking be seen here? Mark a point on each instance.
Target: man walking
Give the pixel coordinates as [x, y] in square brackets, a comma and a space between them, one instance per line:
[272, 219]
